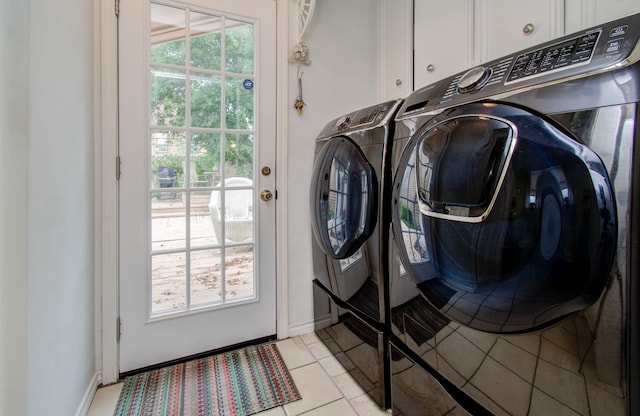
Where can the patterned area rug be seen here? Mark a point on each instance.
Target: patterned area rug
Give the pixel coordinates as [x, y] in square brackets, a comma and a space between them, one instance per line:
[241, 382]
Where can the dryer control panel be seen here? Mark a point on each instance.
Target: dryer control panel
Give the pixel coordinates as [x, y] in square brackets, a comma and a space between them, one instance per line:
[602, 48]
[366, 118]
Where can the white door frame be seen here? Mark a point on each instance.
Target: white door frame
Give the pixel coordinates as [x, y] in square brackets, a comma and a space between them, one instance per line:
[106, 194]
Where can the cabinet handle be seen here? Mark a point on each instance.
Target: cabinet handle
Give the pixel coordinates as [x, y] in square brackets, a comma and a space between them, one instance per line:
[528, 29]
[430, 68]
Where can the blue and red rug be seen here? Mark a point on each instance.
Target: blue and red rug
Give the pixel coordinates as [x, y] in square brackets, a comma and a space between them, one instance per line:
[237, 383]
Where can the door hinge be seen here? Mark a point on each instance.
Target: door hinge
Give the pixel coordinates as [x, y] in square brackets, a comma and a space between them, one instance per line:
[118, 329]
[118, 163]
[117, 8]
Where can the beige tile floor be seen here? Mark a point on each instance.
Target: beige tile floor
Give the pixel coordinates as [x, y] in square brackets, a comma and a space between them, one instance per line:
[326, 388]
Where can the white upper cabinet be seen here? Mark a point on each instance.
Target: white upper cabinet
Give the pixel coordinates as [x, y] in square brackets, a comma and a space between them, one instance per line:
[396, 41]
[606, 10]
[443, 39]
[454, 35]
[582, 14]
[507, 26]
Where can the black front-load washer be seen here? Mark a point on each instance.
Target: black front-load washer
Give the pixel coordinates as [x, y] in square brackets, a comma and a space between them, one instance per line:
[515, 233]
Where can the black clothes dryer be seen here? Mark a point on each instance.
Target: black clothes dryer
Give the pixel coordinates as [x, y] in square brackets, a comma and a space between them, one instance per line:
[515, 263]
[350, 222]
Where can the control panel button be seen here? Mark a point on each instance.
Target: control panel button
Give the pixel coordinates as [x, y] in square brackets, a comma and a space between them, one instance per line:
[613, 46]
[618, 31]
[473, 79]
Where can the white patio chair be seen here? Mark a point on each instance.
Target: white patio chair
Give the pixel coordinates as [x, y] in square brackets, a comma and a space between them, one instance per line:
[238, 211]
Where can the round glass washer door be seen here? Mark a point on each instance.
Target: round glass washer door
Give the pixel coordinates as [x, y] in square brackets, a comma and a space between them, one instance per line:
[505, 222]
[344, 198]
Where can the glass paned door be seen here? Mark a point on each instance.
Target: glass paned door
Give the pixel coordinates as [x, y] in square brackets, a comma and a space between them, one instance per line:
[192, 229]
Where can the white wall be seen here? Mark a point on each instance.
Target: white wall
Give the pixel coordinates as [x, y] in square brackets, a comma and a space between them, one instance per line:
[342, 77]
[60, 213]
[13, 206]
[47, 282]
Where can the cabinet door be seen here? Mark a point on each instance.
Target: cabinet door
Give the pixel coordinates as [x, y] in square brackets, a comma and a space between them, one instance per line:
[507, 26]
[396, 41]
[443, 39]
[581, 14]
[613, 9]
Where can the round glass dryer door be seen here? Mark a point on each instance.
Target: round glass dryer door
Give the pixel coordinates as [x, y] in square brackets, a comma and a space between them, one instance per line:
[504, 221]
[344, 198]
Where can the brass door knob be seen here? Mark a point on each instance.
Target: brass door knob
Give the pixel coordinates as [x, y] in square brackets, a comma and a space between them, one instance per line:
[266, 195]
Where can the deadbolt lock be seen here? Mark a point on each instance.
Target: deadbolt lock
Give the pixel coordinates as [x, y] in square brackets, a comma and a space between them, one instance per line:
[266, 170]
[266, 195]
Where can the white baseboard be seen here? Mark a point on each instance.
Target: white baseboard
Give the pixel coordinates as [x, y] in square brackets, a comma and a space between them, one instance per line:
[300, 329]
[83, 409]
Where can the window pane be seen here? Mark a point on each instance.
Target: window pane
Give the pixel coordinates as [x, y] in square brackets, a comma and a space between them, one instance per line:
[238, 210]
[239, 277]
[205, 100]
[205, 149]
[239, 47]
[168, 221]
[239, 104]
[204, 217]
[239, 156]
[167, 35]
[206, 44]
[168, 284]
[168, 97]
[206, 277]
[168, 150]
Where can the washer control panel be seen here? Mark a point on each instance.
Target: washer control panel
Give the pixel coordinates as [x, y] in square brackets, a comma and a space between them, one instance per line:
[575, 51]
[598, 49]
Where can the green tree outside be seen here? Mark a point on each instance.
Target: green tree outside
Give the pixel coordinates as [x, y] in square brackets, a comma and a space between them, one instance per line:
[211, 74]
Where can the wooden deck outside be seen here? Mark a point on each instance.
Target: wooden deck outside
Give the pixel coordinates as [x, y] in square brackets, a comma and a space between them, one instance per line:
[211, 266]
